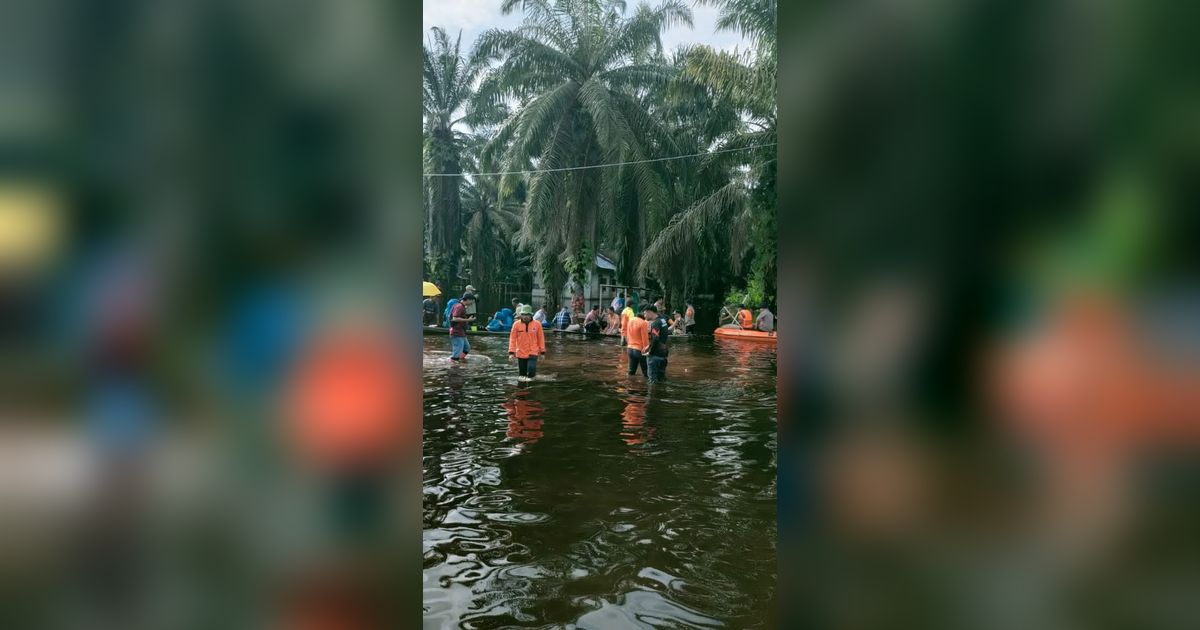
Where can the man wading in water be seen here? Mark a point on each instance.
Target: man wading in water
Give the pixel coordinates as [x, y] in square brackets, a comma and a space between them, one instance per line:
[659, 343]
[459, 318]
[638, 336]
[526, 342]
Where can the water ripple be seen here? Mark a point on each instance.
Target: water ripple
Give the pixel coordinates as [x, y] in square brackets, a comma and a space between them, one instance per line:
[591, 499]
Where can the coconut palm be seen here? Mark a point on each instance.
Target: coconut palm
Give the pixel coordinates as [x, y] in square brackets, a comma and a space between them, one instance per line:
[577, 67]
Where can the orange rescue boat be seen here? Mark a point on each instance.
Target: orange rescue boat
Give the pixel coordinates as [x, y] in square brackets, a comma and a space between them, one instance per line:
[745, 334]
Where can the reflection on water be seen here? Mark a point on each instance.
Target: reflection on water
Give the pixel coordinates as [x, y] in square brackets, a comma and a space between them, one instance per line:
[524, 418]
[595, 499]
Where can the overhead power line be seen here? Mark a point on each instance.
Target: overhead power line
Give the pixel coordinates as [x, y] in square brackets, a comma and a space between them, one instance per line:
[580, 168]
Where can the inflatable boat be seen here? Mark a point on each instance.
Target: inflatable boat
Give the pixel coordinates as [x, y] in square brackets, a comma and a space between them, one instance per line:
[744, 335]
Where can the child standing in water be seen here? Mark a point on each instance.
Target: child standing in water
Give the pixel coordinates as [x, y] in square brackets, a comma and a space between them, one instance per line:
[526, 342]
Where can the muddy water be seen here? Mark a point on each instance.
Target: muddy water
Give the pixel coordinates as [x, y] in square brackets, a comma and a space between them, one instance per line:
[591, 499]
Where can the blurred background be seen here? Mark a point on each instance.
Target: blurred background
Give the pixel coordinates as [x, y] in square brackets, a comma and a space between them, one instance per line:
[208, 397]
[990, 418]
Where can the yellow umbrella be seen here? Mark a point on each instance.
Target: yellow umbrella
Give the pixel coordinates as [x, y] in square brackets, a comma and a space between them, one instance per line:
[429, 289]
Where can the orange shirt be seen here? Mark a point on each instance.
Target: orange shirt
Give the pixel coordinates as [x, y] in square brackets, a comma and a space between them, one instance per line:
[745, 318]
[638, 334]
[527, 340]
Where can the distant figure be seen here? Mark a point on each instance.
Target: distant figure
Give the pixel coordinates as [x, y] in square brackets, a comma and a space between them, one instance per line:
[540, 315]
[618, 302]
[637, 334]
[471, 307]
[659, 346]
[689, 318]
[613, 322]
[678, 326]
[459, 319]
[591, 321]
[766, 320]
[516, 305]
[659, 306]
[634, 301]
[562, 319]
[502, 321]
[429, 307]
[526, 342]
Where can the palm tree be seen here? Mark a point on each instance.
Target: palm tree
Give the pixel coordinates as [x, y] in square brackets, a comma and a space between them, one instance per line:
[492, 222]
[448, 80]
[740, 212]
[577, 67]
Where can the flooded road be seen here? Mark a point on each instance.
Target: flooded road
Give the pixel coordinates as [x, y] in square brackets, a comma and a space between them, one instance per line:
[591, 499]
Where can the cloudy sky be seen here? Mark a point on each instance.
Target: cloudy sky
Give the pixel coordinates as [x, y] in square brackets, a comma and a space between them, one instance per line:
[476, 16]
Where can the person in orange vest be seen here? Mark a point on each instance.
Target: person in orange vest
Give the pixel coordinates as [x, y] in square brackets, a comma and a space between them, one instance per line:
[526, 342]
[626, 315]
[745, 318]
[637, 334]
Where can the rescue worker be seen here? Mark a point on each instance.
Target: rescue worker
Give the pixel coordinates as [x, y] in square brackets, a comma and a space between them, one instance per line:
[745, 318]
[526, 342]
[627, 314]
[637, 335]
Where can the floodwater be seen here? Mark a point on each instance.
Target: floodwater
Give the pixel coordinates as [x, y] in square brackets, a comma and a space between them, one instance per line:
[591, 499]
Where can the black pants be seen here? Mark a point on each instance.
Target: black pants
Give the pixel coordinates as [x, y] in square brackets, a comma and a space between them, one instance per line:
[658, 368]
[527, 367]
[636, 359]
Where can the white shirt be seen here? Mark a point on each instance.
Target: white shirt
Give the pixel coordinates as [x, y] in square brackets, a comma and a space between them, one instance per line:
[540, 315]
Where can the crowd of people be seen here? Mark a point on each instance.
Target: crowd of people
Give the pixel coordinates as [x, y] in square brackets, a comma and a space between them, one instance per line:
[644, 329]
[612, 320]
[743, 318]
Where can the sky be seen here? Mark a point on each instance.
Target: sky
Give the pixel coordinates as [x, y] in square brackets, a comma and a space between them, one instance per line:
[476, 16]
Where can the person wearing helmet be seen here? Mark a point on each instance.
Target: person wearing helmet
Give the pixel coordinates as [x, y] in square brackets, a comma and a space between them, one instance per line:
[526, 342]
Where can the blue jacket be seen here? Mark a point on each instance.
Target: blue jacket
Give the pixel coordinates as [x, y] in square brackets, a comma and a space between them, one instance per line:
[502, 320]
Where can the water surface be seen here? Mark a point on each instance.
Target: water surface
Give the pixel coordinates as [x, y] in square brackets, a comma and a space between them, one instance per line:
[591, 499]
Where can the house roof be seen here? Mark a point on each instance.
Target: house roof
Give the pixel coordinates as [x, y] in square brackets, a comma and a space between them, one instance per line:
[605, 263]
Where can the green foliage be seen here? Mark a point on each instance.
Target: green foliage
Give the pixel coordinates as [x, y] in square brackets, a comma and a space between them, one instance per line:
[576, 68]
[753, 294]
[589, 83]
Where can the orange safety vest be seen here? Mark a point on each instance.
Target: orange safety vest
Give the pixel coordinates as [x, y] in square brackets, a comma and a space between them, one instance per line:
[527, 340]
[745, 318]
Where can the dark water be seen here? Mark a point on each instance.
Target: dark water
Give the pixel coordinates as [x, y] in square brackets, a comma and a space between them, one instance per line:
[590, 499]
